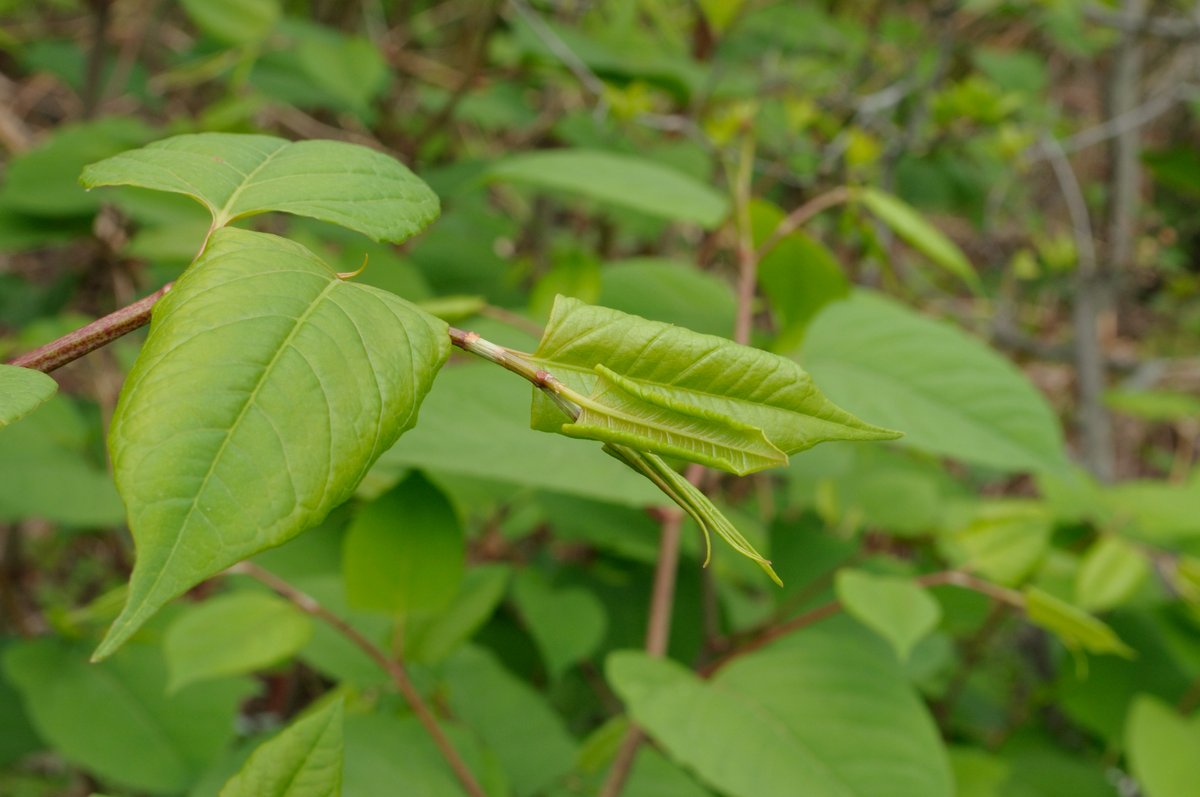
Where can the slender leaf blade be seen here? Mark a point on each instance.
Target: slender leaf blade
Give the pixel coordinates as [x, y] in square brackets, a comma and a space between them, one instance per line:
[704, 376]
[1076, 628]
[918, 233]
[22, 390]
[236, 175]
[266, 389]
[303, 761]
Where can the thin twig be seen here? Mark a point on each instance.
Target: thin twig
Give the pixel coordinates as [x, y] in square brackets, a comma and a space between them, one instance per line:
[802, 215]
[100, 332]
[395, 670]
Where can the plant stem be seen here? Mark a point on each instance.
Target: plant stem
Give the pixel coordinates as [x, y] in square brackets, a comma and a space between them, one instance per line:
[802, 215]
[393, 667]
[100, 332]
[519, 365]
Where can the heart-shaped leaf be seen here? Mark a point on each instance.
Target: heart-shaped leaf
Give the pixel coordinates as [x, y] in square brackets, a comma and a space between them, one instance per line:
[682, 393]
[895, 608]
[265, 391]
[22, 390]
[237, 175]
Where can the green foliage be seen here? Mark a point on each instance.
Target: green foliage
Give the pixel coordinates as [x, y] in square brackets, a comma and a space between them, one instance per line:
[1162, 748]
[895, 608]
[180, 457]
[303, 761]
[22, 390]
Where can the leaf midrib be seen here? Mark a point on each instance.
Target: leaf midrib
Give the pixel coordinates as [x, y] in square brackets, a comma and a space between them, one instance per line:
[233, 427]
[223, 216]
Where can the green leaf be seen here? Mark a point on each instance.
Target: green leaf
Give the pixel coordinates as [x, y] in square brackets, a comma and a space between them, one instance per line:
[567, 625]
[233, 634]
[44, 182]
[950, 394]
[687, 376]
[303, 761]
[45, 457]
[895, 608]
[236, 175]
[1162, 748]
[1111, 571]
[626, 181]
[670, 291]
[799, 718]
[115, 718]
[22, 390]
[431, 638]
[1073, 626]
[1003, 540]
[516, 723]
[1154, 405]
[404, 552]
[490, 439]
[266, 389]
[914, 230]
[234, 21]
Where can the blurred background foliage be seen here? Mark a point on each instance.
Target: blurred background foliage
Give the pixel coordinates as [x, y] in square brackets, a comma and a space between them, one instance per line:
[1048, 385]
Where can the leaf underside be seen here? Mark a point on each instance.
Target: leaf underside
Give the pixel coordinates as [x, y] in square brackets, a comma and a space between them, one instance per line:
[679, 393]
[267, 388]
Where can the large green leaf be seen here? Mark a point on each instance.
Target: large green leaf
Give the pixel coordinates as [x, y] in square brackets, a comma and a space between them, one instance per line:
[824, 713]
[303, 761]
[950, 394]
[233, 634]
[22, 390]
[404, 552]
[236, 175]
[115, 717]
[657, 387]
[623, 180]
[669, 290]
[267, 388]
[1162, 748]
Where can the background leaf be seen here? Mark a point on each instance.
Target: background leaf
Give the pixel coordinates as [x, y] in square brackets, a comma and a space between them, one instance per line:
[568, 625]
[404, 551]
[22, 390]
[237, 175]
[949, 393]
[303, 761]
[245, 421]
[799, 717]
[895, 608]
[134, 734]
[1162, 748]
[623, 180]
[233, 634]
[918, 233]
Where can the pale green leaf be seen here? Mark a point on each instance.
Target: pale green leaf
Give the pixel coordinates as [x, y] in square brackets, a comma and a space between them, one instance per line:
[1163, 748]
[404, 552]
[950, 393]
[303, 761]
[623, 180]
[1073, 626]
[116, 719]
[233, 634]
[1111, 571]
[895, 608]
[803, 717]
[236, 175]
[517, 724]
[1003, 540]
[266, 389]
[672, 291]
[234, 21]
[708, 378]
[567, 625]
[918, 233]
[491, 439]
[431, 638]
[22, 390]
[1154, 405]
